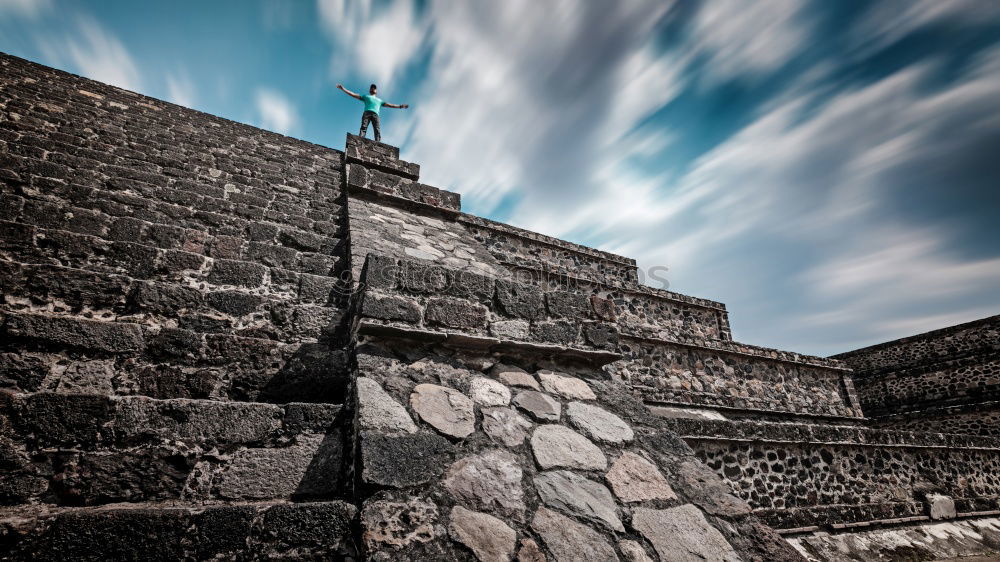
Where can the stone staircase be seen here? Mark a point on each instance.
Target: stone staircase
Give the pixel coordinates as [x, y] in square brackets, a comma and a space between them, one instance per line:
[172, 365]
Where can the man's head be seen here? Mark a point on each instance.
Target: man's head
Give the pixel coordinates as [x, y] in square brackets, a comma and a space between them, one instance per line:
[373, 89]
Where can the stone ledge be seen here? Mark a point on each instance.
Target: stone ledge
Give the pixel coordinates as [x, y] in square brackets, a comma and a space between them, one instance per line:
[749, 350]
[379, 155]
[394, 200]
[460, 340]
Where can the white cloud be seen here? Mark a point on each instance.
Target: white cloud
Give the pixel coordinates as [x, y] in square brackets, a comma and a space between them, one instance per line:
[180, 89]
[888, 21]
[29, 9]
[95, 53]
[377, 42]
[275, 112]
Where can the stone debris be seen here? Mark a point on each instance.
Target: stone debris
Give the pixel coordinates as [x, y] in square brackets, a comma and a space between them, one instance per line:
[565, 386]
[541, 407]
[682, 534]
[514, 376]
[635, 479]
[397, 524]
[505, 426]
[378, 411]
[556, 446]
[490, 481]
[445, 409]
[598, 423]
[488, 392]
[489, 538]
[570, 541]
[580, 497]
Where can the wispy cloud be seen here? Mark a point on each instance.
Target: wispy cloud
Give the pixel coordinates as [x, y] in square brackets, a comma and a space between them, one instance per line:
[30, 9]
[180, 89]
[379, 42]
[275, 112]
[95, 53]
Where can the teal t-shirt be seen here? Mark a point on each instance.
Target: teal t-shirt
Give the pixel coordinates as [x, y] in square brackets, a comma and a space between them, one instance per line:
[372, 103]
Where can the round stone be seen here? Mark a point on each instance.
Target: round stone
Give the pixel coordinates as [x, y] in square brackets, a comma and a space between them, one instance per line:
[683, 534]
[490, 481]
[486, 536]
[634, 479]
[514, 376]
[569, 540]
[539, 406]
[445, 409]
[566, 386]
[598, 423]
[579, 496]
[488, 392]
[505, 426]
[556, 446]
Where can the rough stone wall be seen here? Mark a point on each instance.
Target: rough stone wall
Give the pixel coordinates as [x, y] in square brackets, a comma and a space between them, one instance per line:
[945, 380]
[803, 475]
[460, 455]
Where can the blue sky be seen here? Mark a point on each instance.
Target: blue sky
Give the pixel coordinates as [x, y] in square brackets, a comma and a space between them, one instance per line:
[828, 169]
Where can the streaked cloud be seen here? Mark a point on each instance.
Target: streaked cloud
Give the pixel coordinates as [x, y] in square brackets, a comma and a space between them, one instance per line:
[180, 89]
[29, 9]
[94, 52]
[275, 112]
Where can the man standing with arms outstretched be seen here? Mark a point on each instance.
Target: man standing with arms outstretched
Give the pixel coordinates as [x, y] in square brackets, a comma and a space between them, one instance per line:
[372, 104]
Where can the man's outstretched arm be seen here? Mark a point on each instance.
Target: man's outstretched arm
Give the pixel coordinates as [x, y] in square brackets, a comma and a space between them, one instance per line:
[394, 106]
[348, 92]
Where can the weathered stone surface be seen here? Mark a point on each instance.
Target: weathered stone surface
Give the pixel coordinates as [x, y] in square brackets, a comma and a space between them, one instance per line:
[395, 524]
[489, 538]
[488, 392]
[633, 552]
[514, 376]
[558, 446]
[510, 329]
[567, 305]
[108, 337]
[489, 481]
[378, 411]
[570, 541]
[519, 300]
[539, 406]
[565, 386]
[308, 467]
[446, 409]
[555, 331]
[683, 534]
[598, 423]
[390, 307]
[940, 506]
[530, 552]
[505, 426]
[635, 479]
[604, 336]
[580, 497]
[403, 460]
[455, 313]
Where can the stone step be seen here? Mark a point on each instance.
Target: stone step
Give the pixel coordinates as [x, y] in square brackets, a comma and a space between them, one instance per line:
[86, 449]
[266, 243]
[52, 289]
[28, 244]
[179, 530]
[72, 354]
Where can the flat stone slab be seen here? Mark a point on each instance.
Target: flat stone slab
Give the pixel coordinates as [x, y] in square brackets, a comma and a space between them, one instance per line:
[580, 497]
[378, 411]
[940, 507]
[633, 552]
[490, 481]
[598, 423]
[514, 376]
[445, 409]
[570, 541]
[566, 386]
[505, 426]
[488, 392]
[682, 534]
[556, 446]
[635, 479]
[541, 407]
[489, 538]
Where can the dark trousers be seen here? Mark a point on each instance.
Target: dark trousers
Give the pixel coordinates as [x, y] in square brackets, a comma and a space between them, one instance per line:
[370, 117]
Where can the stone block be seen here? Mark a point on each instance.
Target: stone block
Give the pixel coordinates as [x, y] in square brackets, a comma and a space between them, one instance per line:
[635, 479]
[541, 407]
[555, 331]
[381, 272]
[683, 534]
[403, 460]
[310, 467]
[470, 285]
[598, 423]
[519, 300]
[563, 304]
[940, 507]
[605, 309]
[580, 497]
[390, 307]
[164, 299]
[195, 421]
[603, 336]
[378, 411]
[445, 409]
[489, 481]
[566, 386]
[107, 337]
[238, 273]
[556, 446]
[455, 313]
[486, 536]
[54, 420]
[235, 303]
[510, 329]
[569, 540]
[420, 278]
